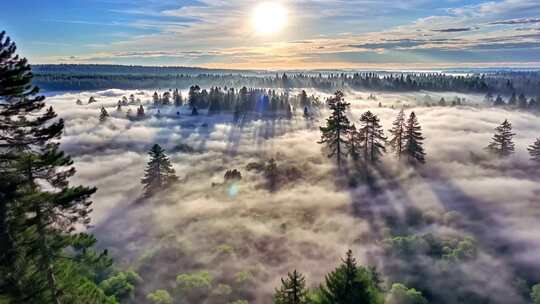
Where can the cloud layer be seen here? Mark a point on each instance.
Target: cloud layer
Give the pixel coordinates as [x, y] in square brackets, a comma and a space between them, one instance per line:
[308, 224]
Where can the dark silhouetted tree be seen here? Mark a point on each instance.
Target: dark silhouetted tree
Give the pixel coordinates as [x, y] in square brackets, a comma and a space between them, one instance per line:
[354, 143]
[374, 140]
[534, 151]
[413, 141]
[502, 144]
[335, 133]
[397, 142]
[39, 209]
[140, 112]
[104, 115]
[159, 173]
[349, 284]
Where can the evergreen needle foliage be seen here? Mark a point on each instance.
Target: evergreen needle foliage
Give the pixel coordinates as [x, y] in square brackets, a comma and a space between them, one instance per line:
[159, 173]
[502, 144]
[335, 133]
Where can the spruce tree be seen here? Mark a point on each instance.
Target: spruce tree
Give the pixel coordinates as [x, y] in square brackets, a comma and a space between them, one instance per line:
[104, 115]
[502, 144]
[374, 140]
[335, 133]
[292, 290]
[349, 284]
[41, 209]
[159, 173]
[534, 151]
[397, 142]
[413, 141]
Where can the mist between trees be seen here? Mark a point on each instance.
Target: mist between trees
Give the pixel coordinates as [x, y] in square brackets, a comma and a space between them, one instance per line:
[228, 207]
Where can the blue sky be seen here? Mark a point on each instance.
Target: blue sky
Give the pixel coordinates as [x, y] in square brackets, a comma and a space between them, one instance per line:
[317, 34]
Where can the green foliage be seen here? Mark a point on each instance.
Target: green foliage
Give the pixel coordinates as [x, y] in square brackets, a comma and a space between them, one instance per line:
[413, 141]
[350, 284]
[239, 302]
[243, 277]
[535, 294]
[452, 249]
[159, 172]
[400, 294]
[292, 290]
[42, 260]
[121, 285]
[160, 296]
[335, 134]
[196, 280]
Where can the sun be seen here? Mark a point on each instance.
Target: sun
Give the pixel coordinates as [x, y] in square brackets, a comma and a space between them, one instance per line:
[269, 18]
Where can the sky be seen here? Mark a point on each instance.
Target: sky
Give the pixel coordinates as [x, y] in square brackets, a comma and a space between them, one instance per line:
[314, 34]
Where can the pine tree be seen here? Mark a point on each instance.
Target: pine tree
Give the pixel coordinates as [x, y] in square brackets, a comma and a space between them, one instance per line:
[335, 133]
[501, 143]
[104, 115]
[119, 107]
[534, 151]
[292, 290]
[413, 146]
[374, 140]
[397, 142]
[159, 173]
[354, 143]
[92, 100]
[349, 284]
[40, 216]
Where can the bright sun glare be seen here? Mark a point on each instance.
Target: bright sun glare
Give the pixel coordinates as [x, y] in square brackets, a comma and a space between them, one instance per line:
[269, 18]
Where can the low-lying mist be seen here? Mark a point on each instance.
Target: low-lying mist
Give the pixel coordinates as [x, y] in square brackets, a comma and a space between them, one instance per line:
[463, 227]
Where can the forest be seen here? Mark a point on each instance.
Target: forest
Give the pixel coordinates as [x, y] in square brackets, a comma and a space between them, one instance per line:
[169, 185]
[82, 77]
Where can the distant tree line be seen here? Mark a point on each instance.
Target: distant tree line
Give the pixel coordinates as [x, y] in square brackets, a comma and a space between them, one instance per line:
[515, 102]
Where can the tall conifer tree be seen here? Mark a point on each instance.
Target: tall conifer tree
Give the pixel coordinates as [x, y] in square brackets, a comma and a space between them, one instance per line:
[502, 144]
[534, 151]
[159, 172]
[41, 210]
[397, 142]
[349, 284]
[413, 141]
[292, 290]
[335, 133]
[374, 140]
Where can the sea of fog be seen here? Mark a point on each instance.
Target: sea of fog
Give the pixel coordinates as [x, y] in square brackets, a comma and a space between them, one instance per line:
[309, 223]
